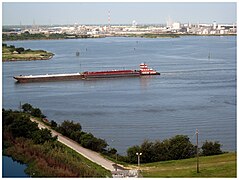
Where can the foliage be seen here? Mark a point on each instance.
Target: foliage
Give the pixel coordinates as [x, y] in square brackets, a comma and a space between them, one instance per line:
[73, 131]
[87, 140]
[20, 50]
[27, 108]
[19, 125]
[177, 147]
[112, 151]
[131, 152]
[36, 112]
[181, 147]
[211, 148]
[23, 127]
[43, 135]
[53, 124]
[67, 127]
[28, 36]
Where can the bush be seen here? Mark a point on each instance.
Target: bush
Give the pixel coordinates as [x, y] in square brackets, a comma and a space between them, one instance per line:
[67, 127]
[181, 147]
[42, 135]
[131, 153]
[27, 108]
[177, 147]
[211, 148]
[22, 127]
[20, 50]
[53, 124]
[87, 140]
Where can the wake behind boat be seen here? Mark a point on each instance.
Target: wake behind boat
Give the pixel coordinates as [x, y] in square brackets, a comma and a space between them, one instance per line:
[144, 70]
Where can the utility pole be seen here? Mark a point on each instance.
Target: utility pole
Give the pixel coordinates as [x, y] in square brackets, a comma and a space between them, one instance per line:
[197, 152]
[20, 106]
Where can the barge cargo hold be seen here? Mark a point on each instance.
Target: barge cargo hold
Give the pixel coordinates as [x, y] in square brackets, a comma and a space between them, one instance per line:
[46, 78]
[144, 70]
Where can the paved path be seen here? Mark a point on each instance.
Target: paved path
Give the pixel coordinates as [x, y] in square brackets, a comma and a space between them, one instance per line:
[91, 155]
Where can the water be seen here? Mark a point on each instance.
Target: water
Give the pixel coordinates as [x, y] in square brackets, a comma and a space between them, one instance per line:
[13, 168]
[192, 92]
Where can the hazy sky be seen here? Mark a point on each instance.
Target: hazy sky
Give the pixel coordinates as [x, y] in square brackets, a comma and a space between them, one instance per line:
[41, 13]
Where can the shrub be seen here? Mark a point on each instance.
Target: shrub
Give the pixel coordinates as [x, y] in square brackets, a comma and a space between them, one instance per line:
[211, 148]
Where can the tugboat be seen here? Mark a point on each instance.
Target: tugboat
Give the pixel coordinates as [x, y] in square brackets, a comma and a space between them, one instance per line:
[144, 70]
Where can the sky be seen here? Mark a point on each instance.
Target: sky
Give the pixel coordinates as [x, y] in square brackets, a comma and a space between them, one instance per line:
[44, 13]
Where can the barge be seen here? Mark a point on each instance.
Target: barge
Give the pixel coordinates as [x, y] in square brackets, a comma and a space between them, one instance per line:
[144, 71]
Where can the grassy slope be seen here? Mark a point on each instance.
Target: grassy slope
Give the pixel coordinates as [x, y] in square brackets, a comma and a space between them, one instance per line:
[32, 55]
[211, 166]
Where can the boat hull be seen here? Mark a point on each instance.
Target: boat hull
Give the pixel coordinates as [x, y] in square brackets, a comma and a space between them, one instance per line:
[144, 71]
[27, 79]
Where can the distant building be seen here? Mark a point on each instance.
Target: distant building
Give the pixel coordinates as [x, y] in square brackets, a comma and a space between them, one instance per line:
[176, 26]
[214, 25]
[134, 23]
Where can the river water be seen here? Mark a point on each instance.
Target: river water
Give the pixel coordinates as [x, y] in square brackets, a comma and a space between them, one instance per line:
[196, 88]
[12, 168]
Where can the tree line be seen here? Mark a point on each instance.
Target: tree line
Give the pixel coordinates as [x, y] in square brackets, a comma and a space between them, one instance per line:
[175, 148]
[39, 36]
[20, 50]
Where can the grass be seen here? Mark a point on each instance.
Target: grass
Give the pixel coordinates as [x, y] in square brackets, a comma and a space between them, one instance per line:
[211, 166]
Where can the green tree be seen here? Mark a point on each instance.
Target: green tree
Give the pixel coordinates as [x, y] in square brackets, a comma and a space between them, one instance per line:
[87, 140]
[53, 124]
[20, 50]
[112, 151]
[211, 148]
[161, 150]
[67, 127]
[36, 112]
[76, 136]
[99, 144]
[42, 135]
[8, 117]
[27, 108]
[148, 153]
[23, 127]
[181, 147]
[131, 153]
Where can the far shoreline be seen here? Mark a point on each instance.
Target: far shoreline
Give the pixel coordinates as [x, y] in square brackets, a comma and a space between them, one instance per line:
[37, 59]
[147, 36]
